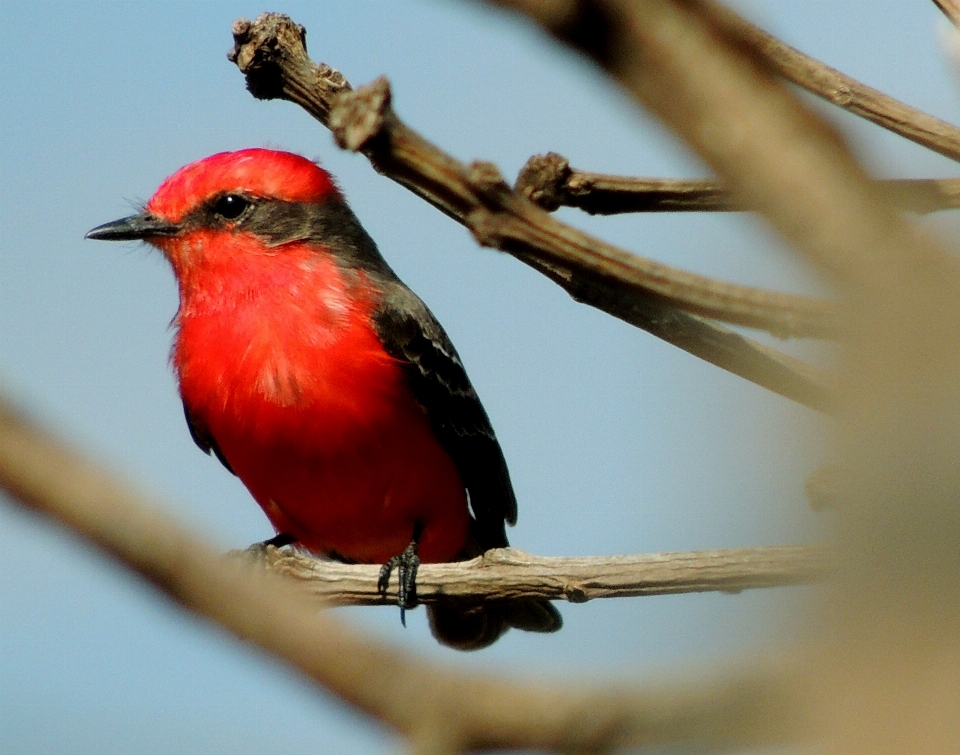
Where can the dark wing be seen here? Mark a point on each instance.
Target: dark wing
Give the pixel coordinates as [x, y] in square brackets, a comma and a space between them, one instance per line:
[410, 332]
[202, 437]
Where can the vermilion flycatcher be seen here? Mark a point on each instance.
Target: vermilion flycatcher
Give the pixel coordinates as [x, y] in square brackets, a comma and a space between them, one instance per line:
[324, 383]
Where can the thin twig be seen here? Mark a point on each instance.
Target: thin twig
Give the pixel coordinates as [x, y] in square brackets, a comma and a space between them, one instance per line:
[271, 54]
[576, 22]
[549, 182]
[438, 709]
[716, 344]
[507, 573]
[839, 89]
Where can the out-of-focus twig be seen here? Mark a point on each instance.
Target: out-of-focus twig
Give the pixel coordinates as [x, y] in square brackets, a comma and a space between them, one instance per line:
[549, 182]
[507, 573]
[951, 9]
[438, 709]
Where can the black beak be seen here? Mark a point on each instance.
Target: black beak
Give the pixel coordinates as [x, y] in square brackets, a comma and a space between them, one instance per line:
[136, 227]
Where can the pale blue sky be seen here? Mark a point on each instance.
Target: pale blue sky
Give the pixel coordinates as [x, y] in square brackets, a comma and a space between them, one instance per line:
[617, 443]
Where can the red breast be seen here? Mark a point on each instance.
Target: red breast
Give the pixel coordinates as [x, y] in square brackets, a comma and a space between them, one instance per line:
[277, 357]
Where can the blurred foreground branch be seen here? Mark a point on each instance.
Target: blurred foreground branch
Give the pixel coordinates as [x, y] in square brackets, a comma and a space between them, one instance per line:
[951, 9]
[889, 674]
[438, 709]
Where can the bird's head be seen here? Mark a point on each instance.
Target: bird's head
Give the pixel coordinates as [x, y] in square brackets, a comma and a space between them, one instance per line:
[259, 194]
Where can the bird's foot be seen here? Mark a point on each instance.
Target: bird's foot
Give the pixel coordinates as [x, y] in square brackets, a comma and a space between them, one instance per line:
[257, 553]
[406, 565]
[277, 541]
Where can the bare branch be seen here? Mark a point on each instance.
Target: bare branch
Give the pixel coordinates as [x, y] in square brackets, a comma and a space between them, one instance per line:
[508, 573]
[549, 182]
[438, 709]
[271, 54]
[842, 90]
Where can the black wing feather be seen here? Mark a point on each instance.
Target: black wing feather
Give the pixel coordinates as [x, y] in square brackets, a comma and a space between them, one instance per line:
[202, 437]
[409, 331]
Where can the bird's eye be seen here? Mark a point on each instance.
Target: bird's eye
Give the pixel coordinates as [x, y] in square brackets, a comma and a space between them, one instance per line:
[231, 206]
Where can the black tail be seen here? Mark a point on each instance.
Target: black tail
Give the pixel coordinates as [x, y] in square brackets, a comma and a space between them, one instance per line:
[474, 626]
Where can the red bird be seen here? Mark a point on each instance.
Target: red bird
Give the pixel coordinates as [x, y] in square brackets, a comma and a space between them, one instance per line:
[324, 383]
